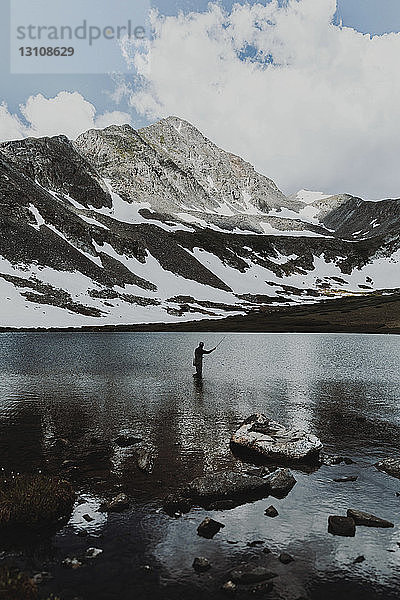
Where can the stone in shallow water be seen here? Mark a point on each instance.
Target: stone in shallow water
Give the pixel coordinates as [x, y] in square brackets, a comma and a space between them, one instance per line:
[71, 563]
[208, 528]
[261, 436]
[329, 459]
[117, 504]
[280, 482]
[248, 573]
[201, 564]
[346, 479]
[271, 511]
[145, 458]
[124, 441]
[93, 552]
[177, 503]
[344, 526]
[229, 587]
[391, 466]
[227, 486]
[359, 559]
[368, 520]
[285, 558]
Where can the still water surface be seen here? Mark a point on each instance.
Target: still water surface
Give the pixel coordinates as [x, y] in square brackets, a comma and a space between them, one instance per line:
[88, 388]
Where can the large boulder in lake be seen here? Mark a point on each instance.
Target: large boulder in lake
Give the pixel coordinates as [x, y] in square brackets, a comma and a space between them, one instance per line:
[262, 437]
[227, 486]
[216, 491]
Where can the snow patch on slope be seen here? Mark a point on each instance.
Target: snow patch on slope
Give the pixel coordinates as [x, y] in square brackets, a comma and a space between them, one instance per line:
[309, 197]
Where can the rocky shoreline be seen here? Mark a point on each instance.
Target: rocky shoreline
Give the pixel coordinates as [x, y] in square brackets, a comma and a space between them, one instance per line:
[40, 502]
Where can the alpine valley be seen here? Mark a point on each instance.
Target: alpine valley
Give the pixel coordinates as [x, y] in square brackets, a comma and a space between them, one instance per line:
[160, 225]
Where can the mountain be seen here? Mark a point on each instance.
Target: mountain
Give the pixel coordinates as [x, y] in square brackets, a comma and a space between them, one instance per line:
[161, 225]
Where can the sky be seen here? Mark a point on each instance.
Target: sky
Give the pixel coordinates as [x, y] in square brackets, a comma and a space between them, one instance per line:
[306, 90]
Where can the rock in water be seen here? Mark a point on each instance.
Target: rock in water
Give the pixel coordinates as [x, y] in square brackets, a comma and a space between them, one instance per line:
[271, 511]
[145, 458]
[177, 503]
[368, 520]
[344, 526]
[260, 436]
[124, 441]
[208, 528]
[229, 587]
[117, 504]
[285, 558]
[391, 466]
[359, 559]
[280, 482]
[201, 564]
[227, 486]
[248, 573]
[93, 553]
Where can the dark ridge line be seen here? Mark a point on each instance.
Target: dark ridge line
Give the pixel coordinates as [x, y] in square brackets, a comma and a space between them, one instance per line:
[373, 314]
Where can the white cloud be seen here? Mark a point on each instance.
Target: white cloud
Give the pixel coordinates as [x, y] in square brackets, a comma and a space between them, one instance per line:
[325, 115]
[67, 113]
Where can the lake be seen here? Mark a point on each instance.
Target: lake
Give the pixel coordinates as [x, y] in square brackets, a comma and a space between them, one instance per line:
[88, 388]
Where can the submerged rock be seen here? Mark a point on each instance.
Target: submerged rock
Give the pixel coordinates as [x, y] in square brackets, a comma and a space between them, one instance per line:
[117, 504]
[346, 479]
[145, 458]
[261, 436]
[227, 486]
[124, 441]
[226, 490]
[280, 483]
[334, 459]
[344, 526]
[359, 559]
[391, 466]
[71, 563]
[177, 503]
[201, 564]
[93, 553]
[368, 520]
[249, 573]
[255, 543]
[229, 587]
[285, 558]
[208, 528]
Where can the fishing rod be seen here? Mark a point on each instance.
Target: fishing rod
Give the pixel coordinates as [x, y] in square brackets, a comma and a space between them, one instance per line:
[220, 342]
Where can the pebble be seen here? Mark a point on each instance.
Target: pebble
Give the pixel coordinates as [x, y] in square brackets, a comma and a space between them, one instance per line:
[208, 528]
[285, 558]
[93, 552]
[229, 587]
[201, 564]
[71, 563]
[271, 512]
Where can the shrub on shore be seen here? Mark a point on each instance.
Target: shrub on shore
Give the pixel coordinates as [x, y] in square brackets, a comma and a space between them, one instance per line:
[34, 501]
[15, 585]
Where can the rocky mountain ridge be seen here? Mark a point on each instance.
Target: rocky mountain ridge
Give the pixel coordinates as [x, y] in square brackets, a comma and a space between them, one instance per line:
[126, 226]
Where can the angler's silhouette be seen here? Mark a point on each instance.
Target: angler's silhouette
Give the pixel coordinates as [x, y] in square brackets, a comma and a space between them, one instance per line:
[198, 359]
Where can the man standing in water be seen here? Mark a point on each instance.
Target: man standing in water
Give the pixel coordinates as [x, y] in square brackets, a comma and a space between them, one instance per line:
[198, 359]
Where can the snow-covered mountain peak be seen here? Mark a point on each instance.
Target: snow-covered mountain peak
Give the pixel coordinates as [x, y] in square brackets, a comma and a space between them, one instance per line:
[126, 226]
